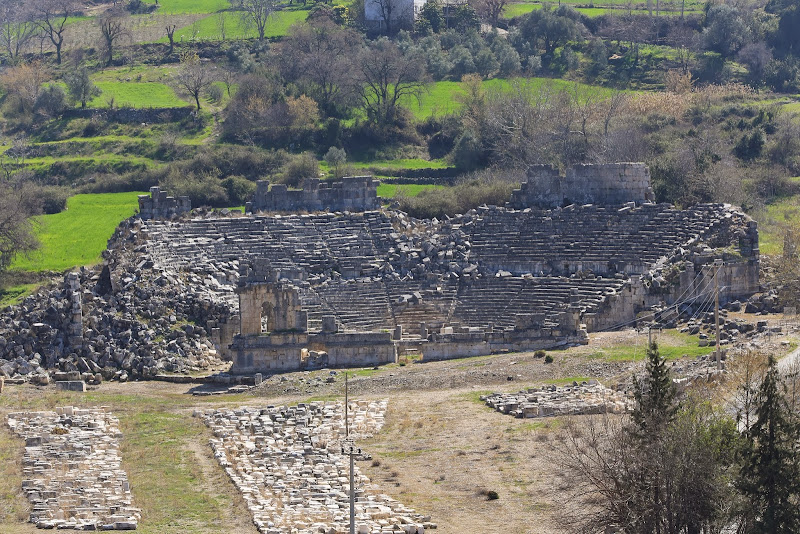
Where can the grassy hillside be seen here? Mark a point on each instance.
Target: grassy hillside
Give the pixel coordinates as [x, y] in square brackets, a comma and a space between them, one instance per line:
[78, 235]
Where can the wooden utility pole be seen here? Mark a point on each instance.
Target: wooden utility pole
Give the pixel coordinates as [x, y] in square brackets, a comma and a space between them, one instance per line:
[349, 449]
[716, 312]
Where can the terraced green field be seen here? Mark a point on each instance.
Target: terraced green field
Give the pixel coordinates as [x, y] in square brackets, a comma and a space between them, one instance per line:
[441, 98]
[210, 28]
[137, 95]
[79, 234]
[590, 9]
[189, 6]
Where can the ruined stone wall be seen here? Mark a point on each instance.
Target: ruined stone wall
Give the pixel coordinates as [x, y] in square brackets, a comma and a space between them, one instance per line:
[295, 351]
[160, 206]
[353, 193]
[607, 184]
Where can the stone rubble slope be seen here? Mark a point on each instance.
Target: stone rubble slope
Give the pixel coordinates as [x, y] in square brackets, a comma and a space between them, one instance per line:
[72, 472]
[552, 401]
[289, 466]
[130, 321]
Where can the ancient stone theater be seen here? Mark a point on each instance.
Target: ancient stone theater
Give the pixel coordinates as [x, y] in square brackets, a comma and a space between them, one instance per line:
[336, 281]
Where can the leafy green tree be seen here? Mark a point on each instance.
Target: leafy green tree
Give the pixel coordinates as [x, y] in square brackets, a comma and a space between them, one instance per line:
[769, 478]
[433, 14]
[486, 63]
[547, 30]
[464, 17]
[80, 86]
[726, 31]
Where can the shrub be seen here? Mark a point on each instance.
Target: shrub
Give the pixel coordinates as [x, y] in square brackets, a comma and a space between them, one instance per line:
[53, 199]
[300, 169]
[492, 495]
[216, 93]
[548, 359]
[202, 190]
[539, 354]
[457, 199]
[51, 101]
[239, 189]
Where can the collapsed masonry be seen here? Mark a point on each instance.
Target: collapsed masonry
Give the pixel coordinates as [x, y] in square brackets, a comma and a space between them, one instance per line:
[345, 288]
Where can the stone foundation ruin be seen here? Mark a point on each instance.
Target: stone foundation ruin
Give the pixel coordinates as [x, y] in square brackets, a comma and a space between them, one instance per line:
[554, 401]
[72, 471]
[288, 464]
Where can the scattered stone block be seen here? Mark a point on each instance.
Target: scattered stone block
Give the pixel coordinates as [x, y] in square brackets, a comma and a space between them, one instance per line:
[71, 385]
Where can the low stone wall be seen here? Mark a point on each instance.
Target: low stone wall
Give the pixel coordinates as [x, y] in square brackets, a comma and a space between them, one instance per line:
[287, 463]
[550, 401]
[292, 351]
[462, 345]
[72, 472]
[352, 193]
[610, 183]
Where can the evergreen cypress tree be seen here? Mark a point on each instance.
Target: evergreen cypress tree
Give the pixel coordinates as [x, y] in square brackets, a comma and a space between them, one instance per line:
[769, 478]
[655, 397]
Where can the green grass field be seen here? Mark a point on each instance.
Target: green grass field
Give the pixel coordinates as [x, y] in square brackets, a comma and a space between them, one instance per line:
[137, 95]
[189, 6]
[78, 235]
[671, 345]
[773, 221]
[590, 9]
[408, 190]
[407, 163]
[441, 98]
[209, 28]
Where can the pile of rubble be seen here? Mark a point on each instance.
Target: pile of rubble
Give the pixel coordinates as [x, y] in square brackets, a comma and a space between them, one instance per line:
[289, 466]
[550, 401]
[72, 473]
[118, 321]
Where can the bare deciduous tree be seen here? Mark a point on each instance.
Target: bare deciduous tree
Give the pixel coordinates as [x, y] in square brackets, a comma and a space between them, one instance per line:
[171, 36]
[392, 14]
[256, 14]
[24, 82]
[16, 28]
[51, 16]
[113, 26]
[490, 10]
[320, 55]
[193, 76]
[664, 470]
[17, 205]
[387, 76]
